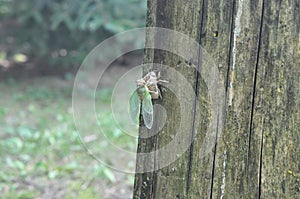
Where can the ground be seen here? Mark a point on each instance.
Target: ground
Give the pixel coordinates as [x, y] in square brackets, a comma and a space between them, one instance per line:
[41, 155]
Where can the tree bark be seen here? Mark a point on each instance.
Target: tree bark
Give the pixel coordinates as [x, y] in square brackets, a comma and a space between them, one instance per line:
[256, 45]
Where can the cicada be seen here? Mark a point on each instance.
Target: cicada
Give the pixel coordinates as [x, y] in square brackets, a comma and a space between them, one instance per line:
[141, 99]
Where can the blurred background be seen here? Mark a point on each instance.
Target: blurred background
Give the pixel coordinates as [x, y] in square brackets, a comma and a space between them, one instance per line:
[42, 44]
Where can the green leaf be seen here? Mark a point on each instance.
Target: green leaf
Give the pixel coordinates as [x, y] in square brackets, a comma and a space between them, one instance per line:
[95, 24]
[117, 133]
[19, 165]
[52, 174]
[4, 176]
[109, 174]
[25, 132]
[14, 143]
[56, 21]
[114, 27]
[38, 17]
[27, 195]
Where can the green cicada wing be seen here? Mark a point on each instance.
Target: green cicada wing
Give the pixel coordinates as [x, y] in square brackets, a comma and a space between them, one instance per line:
[134, 107]
[147, 110]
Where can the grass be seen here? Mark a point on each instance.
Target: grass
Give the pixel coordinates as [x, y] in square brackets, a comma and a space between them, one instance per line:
[41, 155]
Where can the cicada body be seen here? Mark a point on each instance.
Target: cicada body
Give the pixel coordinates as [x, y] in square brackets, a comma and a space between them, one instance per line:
[141, 96]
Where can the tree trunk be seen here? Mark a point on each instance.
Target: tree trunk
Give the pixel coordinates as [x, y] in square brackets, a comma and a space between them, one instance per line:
[256, 46]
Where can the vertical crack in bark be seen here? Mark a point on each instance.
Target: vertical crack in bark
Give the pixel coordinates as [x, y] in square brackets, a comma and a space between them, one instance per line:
[191, 150]
[253, 102]
[214, 161]
[260, 162]
[230, 46]
[154, 173]
[231, 28]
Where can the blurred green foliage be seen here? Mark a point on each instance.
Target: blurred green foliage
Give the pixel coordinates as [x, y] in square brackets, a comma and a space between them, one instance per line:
[40, 148]
[62, 32]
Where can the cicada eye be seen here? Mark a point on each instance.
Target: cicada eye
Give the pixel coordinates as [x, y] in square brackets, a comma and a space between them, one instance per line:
[152, 74]
[146, 78]
[140, 82]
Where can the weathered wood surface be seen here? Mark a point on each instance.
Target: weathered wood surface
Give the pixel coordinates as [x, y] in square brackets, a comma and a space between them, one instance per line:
[256, 44]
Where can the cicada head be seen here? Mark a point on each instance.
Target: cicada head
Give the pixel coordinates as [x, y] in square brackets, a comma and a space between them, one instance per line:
[140, 82]
[152, 74]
